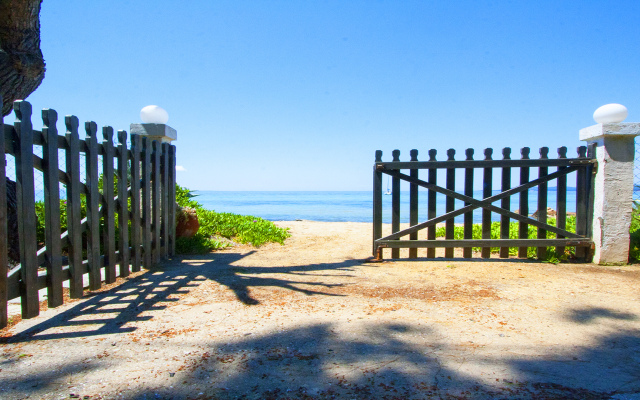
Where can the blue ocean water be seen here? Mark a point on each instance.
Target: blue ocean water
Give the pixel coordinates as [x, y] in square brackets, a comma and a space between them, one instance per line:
[344, 206]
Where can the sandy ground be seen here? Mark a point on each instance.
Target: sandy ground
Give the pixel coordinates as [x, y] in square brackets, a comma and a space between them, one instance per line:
[316, 320]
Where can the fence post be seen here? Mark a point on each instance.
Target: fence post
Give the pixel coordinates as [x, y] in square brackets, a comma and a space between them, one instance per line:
[26, 210]
[613, 183]
[377, 201]
[162, 175]
[4, 319]
[53, 255]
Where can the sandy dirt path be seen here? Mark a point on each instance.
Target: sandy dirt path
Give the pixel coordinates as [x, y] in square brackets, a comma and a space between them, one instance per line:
[315, 320]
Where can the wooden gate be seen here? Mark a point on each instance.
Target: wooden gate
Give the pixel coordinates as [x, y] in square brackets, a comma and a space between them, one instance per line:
[583, 167]
[123, 218]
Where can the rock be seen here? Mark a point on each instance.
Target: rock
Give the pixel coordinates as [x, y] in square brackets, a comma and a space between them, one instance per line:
[551, 213]
[187, 223]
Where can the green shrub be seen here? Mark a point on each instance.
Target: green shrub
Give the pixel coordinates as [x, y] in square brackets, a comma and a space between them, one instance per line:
[532, 232]
[244, 229]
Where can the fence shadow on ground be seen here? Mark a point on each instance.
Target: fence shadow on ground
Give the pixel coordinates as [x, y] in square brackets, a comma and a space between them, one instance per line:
[116, 311]
[322, 361]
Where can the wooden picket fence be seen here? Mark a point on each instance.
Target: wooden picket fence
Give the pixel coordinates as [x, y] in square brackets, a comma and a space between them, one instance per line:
[582, 167]
[130, 230]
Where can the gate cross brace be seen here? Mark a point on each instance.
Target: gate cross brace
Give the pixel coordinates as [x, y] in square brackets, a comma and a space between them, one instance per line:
[485, 203]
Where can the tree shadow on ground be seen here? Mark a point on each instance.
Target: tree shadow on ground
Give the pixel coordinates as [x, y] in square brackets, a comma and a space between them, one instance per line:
[384, 362]
[592, 314]
[116, 310]
[324, 360]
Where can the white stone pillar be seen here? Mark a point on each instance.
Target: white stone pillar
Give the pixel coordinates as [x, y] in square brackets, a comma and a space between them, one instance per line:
[162, 132]
[613, 188]
[154, 125]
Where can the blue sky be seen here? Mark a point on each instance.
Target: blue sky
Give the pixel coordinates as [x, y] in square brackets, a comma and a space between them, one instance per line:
[298, 95]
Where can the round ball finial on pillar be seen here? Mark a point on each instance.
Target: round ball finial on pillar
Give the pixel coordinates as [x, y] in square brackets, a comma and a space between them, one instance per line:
[613, 182]
[610, 114]
[154, 124]
[154, 115]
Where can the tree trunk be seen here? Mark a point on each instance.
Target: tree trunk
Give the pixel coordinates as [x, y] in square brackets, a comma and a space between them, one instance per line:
[21, 62]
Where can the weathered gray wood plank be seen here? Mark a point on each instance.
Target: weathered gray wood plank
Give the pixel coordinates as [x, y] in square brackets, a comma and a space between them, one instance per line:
[74, 229]
[505, 203]
[413, 203]
[4, 262]
[172, 200]
[561, 200]
[467, 252]
[93, 206]
[52, 229]
[482, 163]
[165, 200]
[448, 243]
[450, 202]
[26, 210]
[431, 201]
[487, 191]
[542, 202]
[155, 200]
[123, 203]
[377, 202]
[136, 227]
[146, 203]
[108, 208]
[523, 227]
[395, 203]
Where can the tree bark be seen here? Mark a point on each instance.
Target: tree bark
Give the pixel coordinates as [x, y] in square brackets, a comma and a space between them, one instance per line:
[22, 65]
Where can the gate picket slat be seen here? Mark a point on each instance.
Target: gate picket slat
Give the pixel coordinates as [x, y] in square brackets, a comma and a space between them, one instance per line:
[4, 262]
[505, 203]
[377, 201]
[581, 203]
[561, 200]
[74, 229]
[467, 252]
[123, 204]
[413, 204]
[53, 254]
[93, 205]
[591, 154]
[136, 229]
[108, 208]
[487, 189]
[542, 202]
[523, 227]
[431, 202]
[155, 200]
[450, 202]
[165, 200]
[395, 204]
[172, 198]
[146, 202]
[26, 210]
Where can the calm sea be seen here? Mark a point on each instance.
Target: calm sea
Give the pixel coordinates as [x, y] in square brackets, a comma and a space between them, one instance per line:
[341, 206]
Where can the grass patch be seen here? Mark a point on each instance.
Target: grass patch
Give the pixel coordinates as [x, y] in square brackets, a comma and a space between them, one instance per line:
[244, 229]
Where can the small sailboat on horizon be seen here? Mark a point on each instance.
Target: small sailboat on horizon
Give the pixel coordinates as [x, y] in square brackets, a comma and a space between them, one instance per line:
[388, 192]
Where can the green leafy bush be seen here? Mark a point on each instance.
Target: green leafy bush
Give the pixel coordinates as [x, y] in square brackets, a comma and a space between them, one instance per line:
[532, 232]
[213, 225]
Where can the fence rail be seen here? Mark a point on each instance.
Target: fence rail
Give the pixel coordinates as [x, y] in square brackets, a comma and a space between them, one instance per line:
[583, 166]
[124, 217]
